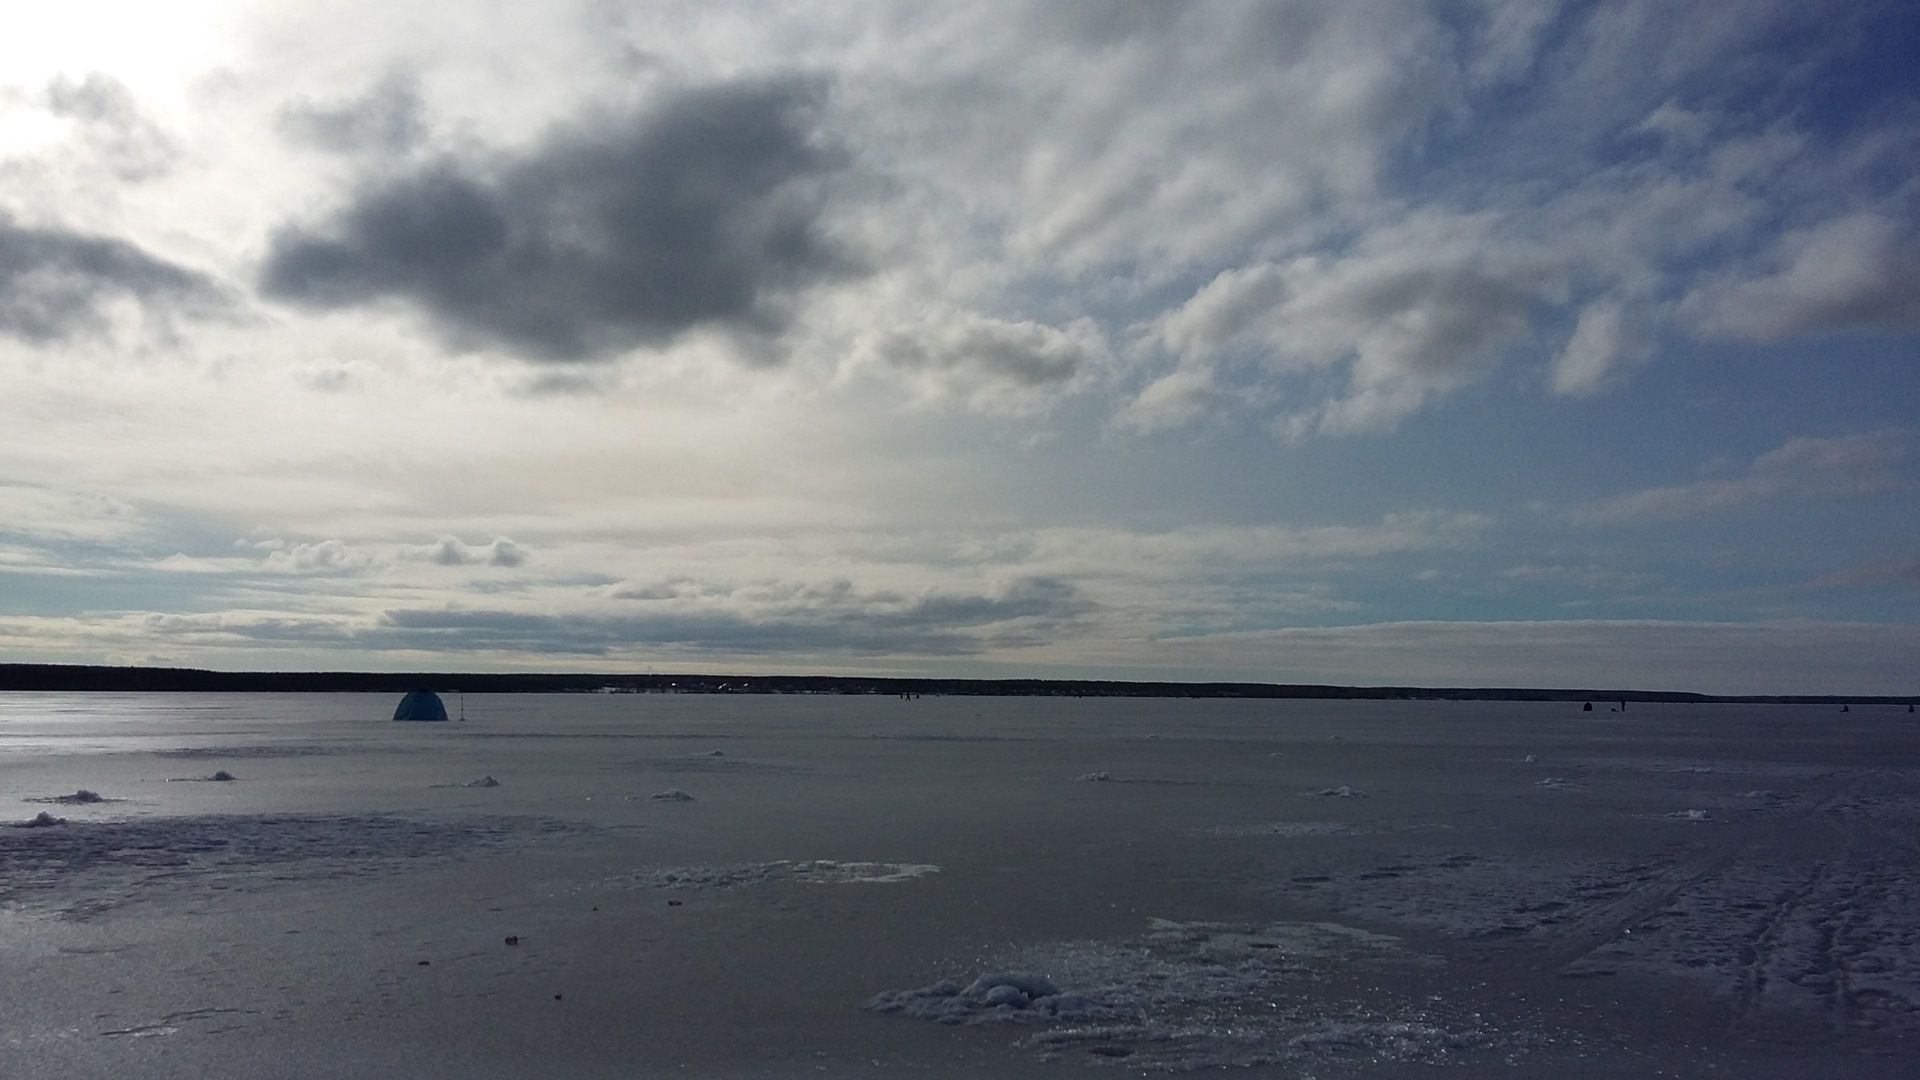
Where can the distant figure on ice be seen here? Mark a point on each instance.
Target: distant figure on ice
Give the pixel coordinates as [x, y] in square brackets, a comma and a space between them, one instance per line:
[1588, 707]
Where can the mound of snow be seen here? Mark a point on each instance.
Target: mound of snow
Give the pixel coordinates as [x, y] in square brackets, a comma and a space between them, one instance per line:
[78, 798]
[41, 820]
[1097, 777]
[1341, 792]
[1001, 997]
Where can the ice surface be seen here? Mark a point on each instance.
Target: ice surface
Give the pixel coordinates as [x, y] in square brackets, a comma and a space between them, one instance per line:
[89, 867]
[340, 912]
[1191, 995]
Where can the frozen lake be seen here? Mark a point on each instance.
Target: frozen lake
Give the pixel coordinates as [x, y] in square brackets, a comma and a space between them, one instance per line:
[955, 887]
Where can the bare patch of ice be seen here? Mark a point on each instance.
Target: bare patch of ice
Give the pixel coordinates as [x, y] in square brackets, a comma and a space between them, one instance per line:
[264, 751]
[1288, 828]
[89, 867]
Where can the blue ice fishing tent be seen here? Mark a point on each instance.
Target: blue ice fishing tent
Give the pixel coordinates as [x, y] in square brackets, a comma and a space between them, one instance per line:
[420, 705]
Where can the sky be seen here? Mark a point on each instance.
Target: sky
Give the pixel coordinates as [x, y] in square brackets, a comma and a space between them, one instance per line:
[1453, 343]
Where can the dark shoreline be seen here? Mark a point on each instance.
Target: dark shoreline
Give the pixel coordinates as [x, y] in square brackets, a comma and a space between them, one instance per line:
[146, 679]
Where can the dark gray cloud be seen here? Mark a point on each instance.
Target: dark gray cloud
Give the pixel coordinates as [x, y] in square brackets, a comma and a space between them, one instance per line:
[621, 232]
[55, 283]
[832, 619]
[386, 119]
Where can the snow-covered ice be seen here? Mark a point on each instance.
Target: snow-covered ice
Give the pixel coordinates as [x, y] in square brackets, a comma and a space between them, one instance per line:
[1709, 891]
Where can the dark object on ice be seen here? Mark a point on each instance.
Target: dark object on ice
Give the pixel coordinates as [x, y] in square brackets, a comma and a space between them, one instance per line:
[421, 705]
[672, 795]
[673, 903]
[78, 798]
[43, 819]
[485, 781]
[222, 775]
[1588, 707]
[1843, 708]
[513, 939]
[423, 963]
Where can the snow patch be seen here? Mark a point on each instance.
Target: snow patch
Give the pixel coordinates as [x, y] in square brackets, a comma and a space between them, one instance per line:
[738, 875]
[1193, 995]
[81, 797]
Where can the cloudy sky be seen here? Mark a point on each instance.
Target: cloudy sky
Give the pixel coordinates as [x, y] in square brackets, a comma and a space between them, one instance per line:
[1459, 343]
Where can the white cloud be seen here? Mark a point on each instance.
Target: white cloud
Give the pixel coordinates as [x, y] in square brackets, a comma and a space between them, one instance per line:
[1602, 343]
[1418, 308]
[1843, 466]
[1858, 271]
[45, 513]
[1173, 400]
[1776, 657]
[994, 364]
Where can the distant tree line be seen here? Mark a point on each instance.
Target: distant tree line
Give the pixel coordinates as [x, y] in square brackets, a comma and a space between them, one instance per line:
[80, 677]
